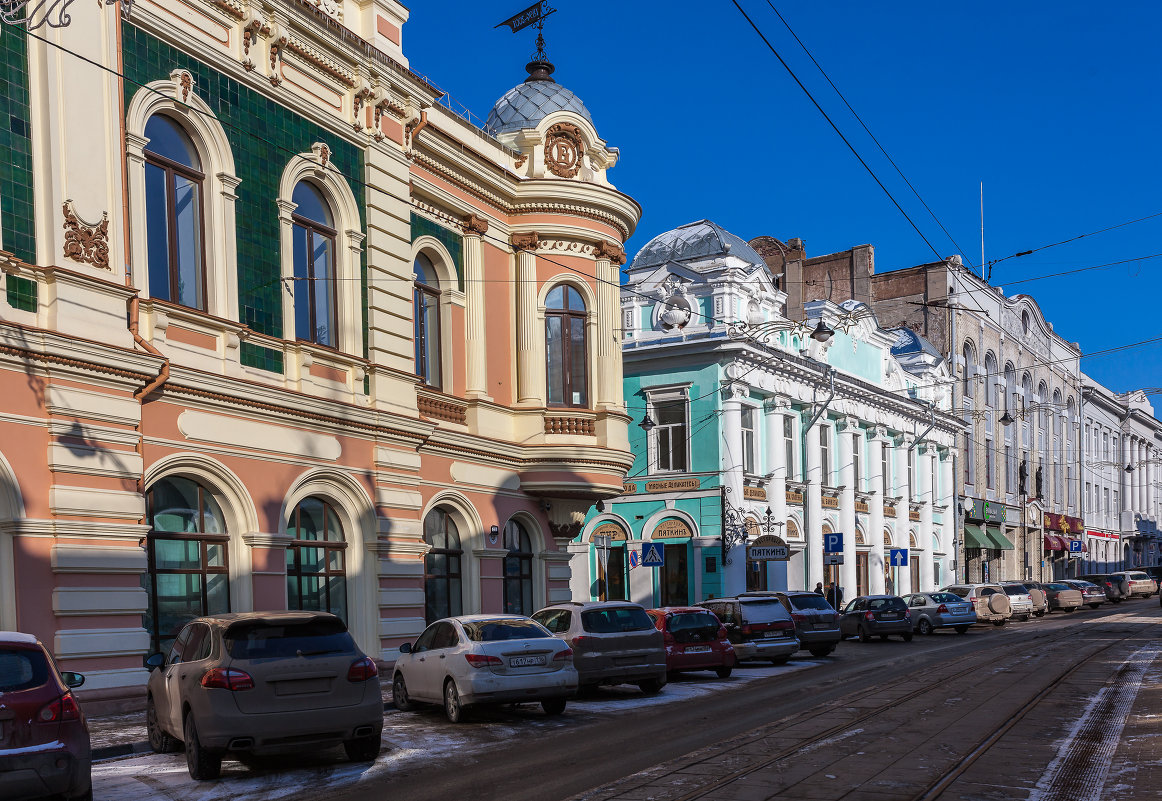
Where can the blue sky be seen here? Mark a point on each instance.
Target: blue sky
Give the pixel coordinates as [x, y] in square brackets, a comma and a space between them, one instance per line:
[1055, 106]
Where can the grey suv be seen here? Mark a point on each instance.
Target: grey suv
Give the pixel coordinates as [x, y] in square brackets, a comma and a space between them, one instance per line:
[757, 621]
[816, 621]
[614, 642]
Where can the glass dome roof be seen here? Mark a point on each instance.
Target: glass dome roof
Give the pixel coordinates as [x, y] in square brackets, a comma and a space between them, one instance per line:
[692, 242]
[524, 106]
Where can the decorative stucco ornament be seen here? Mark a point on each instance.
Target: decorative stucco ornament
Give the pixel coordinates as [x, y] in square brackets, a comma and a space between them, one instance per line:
[563, 148]
[676, 311]
[85, 242]
[33, 14]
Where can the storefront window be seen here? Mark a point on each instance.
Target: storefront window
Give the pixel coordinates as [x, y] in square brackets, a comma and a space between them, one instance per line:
[443, 588]
[188, 574]
[316, 576]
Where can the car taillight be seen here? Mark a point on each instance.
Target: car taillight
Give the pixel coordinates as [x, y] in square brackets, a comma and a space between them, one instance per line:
[362, 669]
[907, 614]
[785, 625]
[667, 638]
[722, 633]
[942, 609]
[579, 640]
[746, 629]
[227, 679]
[869, 616]
[799, 618]
[482, 660]
[971, 599]
[63, 708]
[563, 656]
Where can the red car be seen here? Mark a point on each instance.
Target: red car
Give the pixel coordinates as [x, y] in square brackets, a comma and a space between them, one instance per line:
[44, 741]
[695, 639]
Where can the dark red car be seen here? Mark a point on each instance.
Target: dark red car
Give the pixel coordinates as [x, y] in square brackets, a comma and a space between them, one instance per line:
[44, 741]
[695, 639]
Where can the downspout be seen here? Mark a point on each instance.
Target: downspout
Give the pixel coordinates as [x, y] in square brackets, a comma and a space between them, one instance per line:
[163, 375]
[1081, 466]
[416, 131]
[957, 487]
[920, 439]
[806, 433]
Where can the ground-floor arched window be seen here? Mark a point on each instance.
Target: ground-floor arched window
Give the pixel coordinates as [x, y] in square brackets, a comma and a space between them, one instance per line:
[316, 569]
[518, 570]
[187, 546]
[443, 580]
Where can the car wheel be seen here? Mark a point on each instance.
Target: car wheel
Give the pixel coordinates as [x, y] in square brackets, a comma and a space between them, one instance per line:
[1040, 614]
[364, 749]
[863, 635]
[961, 629]
[452, 706]
[724, 671]
[399, 694]
[159, 741]
[822, 650]
[883, 638]
[202, 763]
[651, 686]
[1070, 609]
[1094, 606]
[1024, 618]
[924, 626]
[780, 661]
[999, 623]
[553, 706]
[908, 637]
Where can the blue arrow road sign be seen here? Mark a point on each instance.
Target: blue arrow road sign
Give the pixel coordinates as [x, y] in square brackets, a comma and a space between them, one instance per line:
[833, 543]
[652, 555]
[1075, 546]
[899, 557]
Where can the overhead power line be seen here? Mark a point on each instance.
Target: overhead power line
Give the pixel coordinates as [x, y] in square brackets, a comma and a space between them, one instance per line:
[1031, 251]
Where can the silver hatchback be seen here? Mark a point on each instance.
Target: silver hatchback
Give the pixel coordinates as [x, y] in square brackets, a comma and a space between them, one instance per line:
[938, 610]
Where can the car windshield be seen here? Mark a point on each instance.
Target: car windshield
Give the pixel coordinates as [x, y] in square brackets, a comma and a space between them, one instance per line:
[1056, 586]
[21, 669]
[765, 611]
[616, 619]
[887, 604]
[809, 601]
[944, 598]
[1016, 589]
[688, 626]
[503, 629]
[262, 640]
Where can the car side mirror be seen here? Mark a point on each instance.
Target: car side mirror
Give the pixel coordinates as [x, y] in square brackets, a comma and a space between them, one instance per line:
[155, 661]
[406, 648]
[72, 680]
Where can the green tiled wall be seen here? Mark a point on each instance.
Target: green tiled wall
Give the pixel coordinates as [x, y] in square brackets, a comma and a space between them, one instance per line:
[263, 136]
[21, 293]
[262, 358]
[16, 207]
[422, 226]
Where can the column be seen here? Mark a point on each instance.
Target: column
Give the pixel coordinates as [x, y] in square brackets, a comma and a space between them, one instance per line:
[476, 354]
[951, 514]
[530, 390]
[924, 468]
[877, 486]
[1140, 476]
[608, 379]
[776, 459]
[847, 428]
[903, 521]
[734, 571]
[813, 510]
[1125, 482]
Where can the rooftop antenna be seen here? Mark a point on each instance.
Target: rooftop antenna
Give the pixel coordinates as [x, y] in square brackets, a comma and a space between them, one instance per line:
[540, 68]
[989, 279]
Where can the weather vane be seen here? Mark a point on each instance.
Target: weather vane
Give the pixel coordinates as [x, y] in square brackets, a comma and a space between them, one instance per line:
[533, 15]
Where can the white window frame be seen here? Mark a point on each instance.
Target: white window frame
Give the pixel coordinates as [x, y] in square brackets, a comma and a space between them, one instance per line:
[749, 439]
[659, 395]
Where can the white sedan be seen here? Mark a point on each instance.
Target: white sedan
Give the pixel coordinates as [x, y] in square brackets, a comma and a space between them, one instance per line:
[484, 659]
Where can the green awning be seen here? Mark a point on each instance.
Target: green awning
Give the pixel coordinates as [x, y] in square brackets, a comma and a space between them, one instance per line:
[974, 537]
[997, 539]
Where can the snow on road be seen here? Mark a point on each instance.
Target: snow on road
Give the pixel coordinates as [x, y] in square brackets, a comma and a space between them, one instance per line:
[411, 740]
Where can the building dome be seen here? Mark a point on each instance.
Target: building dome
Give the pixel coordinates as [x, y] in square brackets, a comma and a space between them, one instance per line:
[694, 242]
[524, 106]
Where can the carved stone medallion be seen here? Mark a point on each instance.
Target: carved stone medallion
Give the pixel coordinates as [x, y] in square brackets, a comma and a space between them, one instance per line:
[563, 148]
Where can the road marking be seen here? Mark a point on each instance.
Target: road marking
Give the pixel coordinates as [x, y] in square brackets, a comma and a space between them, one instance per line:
[1079, 770]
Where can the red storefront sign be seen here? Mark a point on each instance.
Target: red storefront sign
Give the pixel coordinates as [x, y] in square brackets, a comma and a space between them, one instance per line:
[1064, 524]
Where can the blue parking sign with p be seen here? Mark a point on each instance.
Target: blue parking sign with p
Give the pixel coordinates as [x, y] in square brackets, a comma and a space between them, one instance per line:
[1075, 546]
[833, 543]
[652, 555]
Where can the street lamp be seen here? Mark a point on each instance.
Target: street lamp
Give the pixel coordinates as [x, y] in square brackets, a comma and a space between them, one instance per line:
[647, 425]
[822, 332]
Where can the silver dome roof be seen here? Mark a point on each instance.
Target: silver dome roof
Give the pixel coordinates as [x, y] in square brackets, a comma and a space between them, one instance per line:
[692, 242]
[524, 106]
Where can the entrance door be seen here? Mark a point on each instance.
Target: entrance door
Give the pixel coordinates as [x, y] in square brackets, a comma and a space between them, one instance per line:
[914, 570]
[756, 576]
[615, 576]
[674, 577]
[861, 573]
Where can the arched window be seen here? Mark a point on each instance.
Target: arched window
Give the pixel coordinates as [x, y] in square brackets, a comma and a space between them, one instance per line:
[316, 576]
[427, 321]
[443, 588]
[991, 380]
[173, 215]
[969, 372]
[518, 570]
[566, 347]
[187, 556]
[316, 309]
[1011, 388]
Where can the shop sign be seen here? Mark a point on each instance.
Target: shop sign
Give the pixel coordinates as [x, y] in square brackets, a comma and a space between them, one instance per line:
[754, 493]
[795, 497]
[671, 529]
[768, 548]
[861, 506]
[986, 511]
[914, 515]
[1063, 523]
[1102, 535]
[829, 502]
[672, 485]
[612, 530]
[889, 510]
[628, 489]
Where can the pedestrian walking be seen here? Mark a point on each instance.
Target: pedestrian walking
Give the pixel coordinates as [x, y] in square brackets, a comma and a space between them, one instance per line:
[834, 595]
[819, 588]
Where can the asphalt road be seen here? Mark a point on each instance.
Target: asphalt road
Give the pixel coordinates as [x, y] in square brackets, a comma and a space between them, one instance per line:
[575, 759]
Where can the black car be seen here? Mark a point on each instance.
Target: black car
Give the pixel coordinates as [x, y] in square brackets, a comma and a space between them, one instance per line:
[876, 614]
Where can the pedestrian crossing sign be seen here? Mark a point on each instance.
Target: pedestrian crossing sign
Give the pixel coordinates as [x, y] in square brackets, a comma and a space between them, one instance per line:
[652, 555]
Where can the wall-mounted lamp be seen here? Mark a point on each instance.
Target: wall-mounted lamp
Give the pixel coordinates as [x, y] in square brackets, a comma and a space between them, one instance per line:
[601, 506]
[647, 424]
[822, 332]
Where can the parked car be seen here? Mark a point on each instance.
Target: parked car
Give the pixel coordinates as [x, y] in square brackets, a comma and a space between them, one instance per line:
[462, 662]
[1112, 585]
[760, 621]
[1091, 594]
[1020, 600]
[1037, 594]
[614, 642]
[990, 601]
[876, 614]
[816, 621]
[1063, 597]
[695, 639]
[937, 610]
[1136, 584]
[263, 683]
[44, 739]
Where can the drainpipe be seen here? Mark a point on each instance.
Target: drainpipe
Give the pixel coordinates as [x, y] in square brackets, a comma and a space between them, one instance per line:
[163, 375]
[423, 124]
[931, 425]
[806, 505]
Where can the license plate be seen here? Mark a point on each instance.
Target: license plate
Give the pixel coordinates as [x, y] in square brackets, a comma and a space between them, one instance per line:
[890, 616]
[697, 649]
[823, 625]
[525, 661]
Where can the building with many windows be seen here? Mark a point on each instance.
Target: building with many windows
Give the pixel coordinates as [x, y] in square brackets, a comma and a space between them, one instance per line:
[279, 330]
[750, 431]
